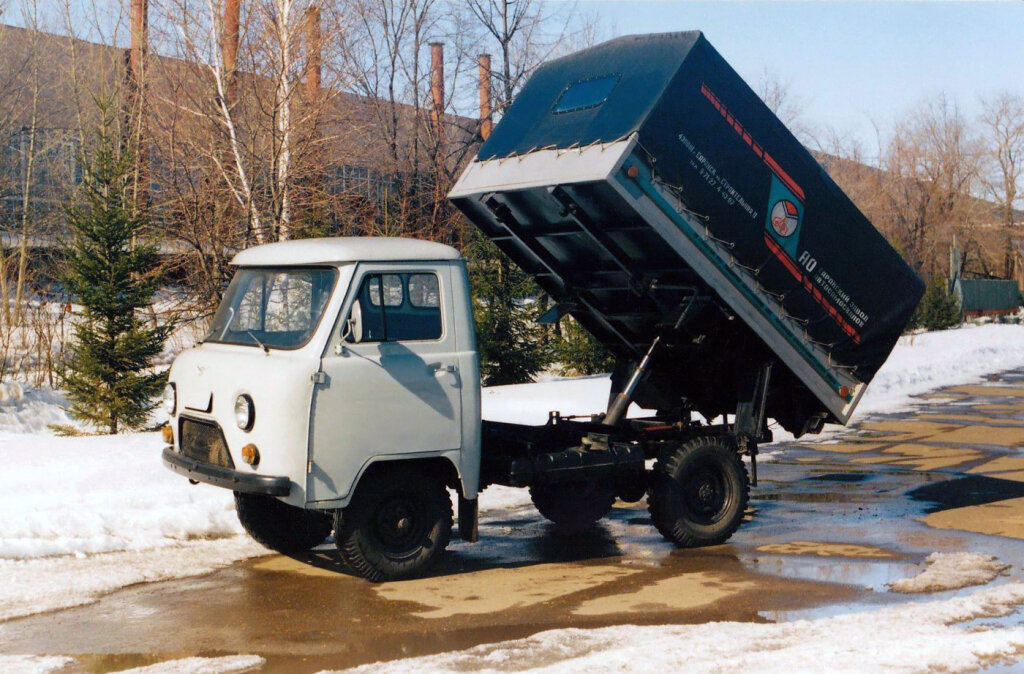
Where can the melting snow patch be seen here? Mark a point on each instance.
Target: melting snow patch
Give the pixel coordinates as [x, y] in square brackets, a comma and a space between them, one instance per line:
[918, 637]
[225, 665]
[952, 571]
[38, 585]
[33, 664]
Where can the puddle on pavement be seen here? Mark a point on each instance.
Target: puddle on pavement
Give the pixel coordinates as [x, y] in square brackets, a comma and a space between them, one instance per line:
[678, 593]
[496, 590]
[967, 491]
[827, 550]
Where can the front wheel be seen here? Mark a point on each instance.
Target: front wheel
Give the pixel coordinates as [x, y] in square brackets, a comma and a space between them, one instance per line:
[699, 492]
[279, 526]
[396, 527]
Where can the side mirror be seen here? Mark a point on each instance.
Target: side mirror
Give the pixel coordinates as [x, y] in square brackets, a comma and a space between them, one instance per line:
[353, 329]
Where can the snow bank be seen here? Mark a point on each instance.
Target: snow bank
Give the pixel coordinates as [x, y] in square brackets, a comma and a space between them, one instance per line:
[95, 494]
[952, 571]
[920, 637]
[31, 410]
[931, 360]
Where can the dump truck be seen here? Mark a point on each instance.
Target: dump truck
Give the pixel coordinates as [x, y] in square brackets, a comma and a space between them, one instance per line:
[655, 199]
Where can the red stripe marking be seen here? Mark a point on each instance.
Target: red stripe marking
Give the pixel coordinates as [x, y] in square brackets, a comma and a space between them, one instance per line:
[779, 253]
[738, 128]
[810, 287]
[783, 176]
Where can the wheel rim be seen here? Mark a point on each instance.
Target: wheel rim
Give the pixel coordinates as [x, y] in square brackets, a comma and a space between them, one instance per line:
[706, 493]
[399, 525]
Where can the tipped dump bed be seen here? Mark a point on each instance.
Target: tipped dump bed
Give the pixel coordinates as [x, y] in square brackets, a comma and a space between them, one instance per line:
[642, 176]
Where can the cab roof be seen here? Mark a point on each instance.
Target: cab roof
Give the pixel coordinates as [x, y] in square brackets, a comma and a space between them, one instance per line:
[343, 249]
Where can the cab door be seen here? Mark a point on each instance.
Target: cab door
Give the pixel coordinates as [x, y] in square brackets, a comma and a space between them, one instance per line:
[390, 383]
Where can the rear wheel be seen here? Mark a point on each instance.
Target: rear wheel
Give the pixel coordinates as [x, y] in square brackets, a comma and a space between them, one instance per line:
[574, 506]
[396, 527]
[279, 526]
[699, 492]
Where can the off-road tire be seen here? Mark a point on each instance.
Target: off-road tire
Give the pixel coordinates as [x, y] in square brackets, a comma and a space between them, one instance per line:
[281, 527]
[699, 492]
[396, 527]
[573, 506]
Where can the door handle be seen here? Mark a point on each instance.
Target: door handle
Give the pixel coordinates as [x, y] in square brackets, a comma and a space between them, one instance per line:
[438, 368]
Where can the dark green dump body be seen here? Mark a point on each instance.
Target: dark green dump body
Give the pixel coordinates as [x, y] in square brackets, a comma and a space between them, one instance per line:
[712, 198]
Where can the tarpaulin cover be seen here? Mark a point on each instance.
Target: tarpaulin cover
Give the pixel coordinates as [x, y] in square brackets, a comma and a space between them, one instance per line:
[706, 133]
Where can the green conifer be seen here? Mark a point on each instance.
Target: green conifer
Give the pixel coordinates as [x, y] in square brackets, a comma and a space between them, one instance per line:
[579, 353]
[112, 275]
[513, 348]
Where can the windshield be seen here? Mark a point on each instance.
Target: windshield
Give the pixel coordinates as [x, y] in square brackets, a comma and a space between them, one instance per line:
[272, 307]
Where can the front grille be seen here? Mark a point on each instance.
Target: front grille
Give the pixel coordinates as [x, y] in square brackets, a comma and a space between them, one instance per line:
[203, 441]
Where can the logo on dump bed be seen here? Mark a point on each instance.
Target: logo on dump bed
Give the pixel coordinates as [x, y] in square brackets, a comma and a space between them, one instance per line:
[785, 217]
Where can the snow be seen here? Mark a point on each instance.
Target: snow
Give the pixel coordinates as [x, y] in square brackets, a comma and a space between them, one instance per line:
[224, 665]
[530, 403]
[916, 637]
[32, 410]
[33, 664]
[926, 361]
[84, 495]
[230, 664]
[32, 586]
[952, 571]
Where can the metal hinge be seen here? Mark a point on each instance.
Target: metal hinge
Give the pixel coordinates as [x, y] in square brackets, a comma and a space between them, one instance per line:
[318, 377]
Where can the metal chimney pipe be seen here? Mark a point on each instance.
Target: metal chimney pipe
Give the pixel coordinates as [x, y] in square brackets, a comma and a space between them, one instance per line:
[314, 51]
[486, 123]
[229, 48]
[437, 85]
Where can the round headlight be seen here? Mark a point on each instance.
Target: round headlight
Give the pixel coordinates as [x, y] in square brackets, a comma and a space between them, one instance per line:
[170, 399]
[245, 413]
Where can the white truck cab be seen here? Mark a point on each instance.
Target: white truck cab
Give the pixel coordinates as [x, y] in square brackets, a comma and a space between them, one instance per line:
[328, 357]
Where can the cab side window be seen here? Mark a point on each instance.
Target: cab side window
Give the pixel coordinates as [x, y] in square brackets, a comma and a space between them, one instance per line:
[410, 310]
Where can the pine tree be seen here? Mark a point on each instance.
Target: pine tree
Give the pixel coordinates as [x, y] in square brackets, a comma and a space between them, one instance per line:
[579, 353]
[512, 346]
[112, 275]
[938, 309]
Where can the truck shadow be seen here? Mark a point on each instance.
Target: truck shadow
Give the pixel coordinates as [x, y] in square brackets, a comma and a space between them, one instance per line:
[545, 544]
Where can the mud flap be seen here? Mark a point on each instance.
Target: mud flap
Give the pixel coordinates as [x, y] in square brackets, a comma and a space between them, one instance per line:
[468, 520]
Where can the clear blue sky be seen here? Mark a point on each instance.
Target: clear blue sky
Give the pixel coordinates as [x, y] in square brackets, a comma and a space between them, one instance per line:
[849, 63]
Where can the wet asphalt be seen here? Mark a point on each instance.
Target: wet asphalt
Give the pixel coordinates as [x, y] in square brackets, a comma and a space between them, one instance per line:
[830, 524]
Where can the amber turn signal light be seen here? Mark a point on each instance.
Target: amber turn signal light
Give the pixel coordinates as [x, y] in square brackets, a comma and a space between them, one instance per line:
[251, 455]
[168, 435]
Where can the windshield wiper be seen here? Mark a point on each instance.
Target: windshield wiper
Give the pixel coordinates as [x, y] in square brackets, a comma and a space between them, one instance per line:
[264, 346]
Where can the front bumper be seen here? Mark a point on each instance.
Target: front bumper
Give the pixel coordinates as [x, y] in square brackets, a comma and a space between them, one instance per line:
[225, 477]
